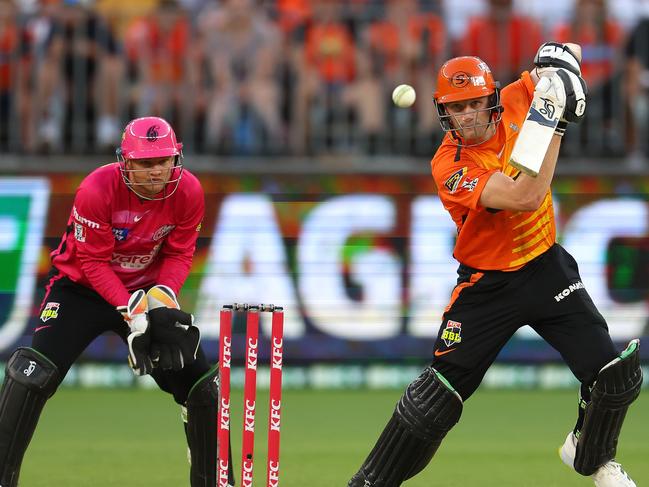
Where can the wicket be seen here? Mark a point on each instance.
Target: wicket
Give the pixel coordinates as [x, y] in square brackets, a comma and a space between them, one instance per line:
[250, 392]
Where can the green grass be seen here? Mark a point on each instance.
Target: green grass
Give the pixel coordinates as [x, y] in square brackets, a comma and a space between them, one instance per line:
[134, 438]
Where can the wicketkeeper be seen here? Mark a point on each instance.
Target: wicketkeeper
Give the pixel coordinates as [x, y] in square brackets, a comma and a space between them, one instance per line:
[512, 273]
[124, 256]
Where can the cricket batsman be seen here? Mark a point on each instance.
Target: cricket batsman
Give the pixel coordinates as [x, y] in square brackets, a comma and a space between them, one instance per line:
[123, 258]
[511, 273]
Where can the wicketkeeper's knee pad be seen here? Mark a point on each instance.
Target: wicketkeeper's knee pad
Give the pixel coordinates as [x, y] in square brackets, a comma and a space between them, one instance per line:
[30, 380]
[428, 409]
[617, 385]
[200, 428]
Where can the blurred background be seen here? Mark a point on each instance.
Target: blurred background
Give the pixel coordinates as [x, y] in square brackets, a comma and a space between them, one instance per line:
[319, 194]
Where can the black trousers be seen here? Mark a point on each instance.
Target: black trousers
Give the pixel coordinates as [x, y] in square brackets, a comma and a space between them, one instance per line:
[72, 316]
[488, 307]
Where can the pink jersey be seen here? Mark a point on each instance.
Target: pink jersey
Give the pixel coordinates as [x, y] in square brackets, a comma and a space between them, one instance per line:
[116, 242]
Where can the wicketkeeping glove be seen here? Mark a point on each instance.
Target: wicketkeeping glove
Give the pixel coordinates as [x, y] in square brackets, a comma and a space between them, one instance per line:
[174, 337]
[139, 340]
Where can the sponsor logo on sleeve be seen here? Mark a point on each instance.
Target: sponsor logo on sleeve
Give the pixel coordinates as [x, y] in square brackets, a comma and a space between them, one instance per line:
[83, 220]
[50, 311]
[79, 232]
[454, 180]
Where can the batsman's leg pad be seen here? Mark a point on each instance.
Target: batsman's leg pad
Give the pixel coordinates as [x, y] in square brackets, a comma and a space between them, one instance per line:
[617, 385]
[30, 380]
[428, 409]
[200, 429]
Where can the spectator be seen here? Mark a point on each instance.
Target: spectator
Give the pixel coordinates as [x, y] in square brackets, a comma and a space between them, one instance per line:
[600, 38]
[636, 91]
[242, 55]
[402, 47]
[292, 15]
[14, 77]
[505, 40]
[324, 68]
[119, 14]
[77, 79]
[162, 66]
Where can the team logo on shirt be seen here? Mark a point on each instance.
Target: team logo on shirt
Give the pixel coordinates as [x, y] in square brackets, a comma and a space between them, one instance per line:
[79, 232]
[50, 311]
[454, 180]
[163, 231]
[120, 233]
[452, 334]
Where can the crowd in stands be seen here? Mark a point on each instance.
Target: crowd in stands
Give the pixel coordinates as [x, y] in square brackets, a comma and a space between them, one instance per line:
[298, 77]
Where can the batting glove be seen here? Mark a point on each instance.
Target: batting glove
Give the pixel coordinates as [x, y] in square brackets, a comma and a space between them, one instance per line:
[175, 338]
[139, 339]
[576, 93]
[552, 55]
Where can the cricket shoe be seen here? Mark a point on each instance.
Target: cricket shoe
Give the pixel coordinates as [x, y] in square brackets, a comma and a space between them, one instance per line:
[611, 474]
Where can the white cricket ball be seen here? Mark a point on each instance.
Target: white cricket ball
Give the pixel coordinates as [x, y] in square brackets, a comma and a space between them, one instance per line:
[404, 96]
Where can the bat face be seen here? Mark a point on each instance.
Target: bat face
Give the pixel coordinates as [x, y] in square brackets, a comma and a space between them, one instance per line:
[536, 134]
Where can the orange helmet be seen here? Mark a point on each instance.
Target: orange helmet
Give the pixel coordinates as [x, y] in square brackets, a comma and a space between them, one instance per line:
[465, 78]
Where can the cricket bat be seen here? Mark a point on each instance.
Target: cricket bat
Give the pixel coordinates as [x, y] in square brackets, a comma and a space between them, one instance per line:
[537, 131]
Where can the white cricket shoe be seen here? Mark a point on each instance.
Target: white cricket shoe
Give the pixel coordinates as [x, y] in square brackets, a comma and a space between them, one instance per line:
[611, 474]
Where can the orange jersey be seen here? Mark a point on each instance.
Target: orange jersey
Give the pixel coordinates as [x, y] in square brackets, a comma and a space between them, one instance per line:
[492, 239]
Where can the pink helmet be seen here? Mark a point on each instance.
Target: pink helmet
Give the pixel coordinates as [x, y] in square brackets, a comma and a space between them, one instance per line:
[146, 138]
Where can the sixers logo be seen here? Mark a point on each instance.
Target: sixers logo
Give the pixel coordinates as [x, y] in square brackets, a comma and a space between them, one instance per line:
[163, 231]
[152, 133]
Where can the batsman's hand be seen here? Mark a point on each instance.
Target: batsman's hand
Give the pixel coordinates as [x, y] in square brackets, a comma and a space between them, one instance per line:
[174, 337]
[553, 55]
[576, 93]
[139, 339]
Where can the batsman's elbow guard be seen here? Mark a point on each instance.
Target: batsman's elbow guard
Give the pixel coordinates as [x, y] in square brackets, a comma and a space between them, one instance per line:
[556, 55]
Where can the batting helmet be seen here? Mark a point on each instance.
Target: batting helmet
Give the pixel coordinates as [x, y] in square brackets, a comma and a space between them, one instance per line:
[465, 78]
[148, 138]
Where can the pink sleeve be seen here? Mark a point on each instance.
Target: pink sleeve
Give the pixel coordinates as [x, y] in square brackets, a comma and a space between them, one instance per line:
[94, 251]
[178, 249]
